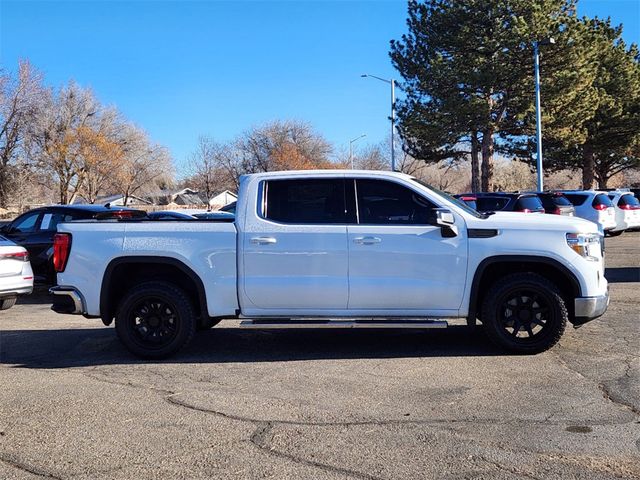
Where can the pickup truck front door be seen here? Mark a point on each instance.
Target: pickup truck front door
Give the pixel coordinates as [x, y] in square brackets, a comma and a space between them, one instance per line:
[295, 255]
[398, 262]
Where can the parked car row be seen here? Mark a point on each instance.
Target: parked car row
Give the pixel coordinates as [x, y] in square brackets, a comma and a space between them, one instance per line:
[614, 211]
[34, 231]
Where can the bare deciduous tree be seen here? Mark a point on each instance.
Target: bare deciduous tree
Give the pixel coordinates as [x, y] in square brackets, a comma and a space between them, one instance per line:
[53, 139]
[211, 167]
[143, 163]
[19, 103]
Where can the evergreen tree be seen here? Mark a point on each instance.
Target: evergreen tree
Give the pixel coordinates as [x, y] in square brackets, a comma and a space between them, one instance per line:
[611, 140]
[468, 74]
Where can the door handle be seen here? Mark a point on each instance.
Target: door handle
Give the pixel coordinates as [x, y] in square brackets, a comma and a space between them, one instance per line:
[366, 240]
[263, 240]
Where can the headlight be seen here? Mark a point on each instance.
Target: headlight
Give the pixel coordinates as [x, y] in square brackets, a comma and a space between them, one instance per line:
[585, 244]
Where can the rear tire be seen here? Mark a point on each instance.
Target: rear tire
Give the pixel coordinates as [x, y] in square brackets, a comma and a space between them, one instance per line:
[155, 320]
[7, 303]
[524, 313]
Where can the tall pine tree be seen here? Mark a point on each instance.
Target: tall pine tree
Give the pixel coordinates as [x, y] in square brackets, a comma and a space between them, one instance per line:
[467, 70]
[610, 142]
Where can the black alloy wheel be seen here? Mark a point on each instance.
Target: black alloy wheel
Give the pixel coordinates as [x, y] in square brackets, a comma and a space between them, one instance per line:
[155, 320]
[524, 313]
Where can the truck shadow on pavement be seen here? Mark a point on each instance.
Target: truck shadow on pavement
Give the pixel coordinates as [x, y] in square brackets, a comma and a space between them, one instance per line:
[622, 274]
[99, 346]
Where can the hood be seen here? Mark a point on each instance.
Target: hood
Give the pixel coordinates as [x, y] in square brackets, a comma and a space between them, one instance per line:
[534, 221]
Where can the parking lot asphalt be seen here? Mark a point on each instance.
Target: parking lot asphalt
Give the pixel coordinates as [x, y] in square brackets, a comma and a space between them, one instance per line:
[323, 403]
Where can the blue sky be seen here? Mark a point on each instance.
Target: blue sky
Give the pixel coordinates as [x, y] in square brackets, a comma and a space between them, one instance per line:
[184, 68]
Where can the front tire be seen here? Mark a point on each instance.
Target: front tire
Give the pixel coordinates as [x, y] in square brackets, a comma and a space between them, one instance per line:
[155, 320]
[524, 313]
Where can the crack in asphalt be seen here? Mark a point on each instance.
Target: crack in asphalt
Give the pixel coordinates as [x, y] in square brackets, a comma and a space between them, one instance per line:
[604, 389]
[262, 437]
[20, 465]
[263, 434]
[504, 468]
[170, 397]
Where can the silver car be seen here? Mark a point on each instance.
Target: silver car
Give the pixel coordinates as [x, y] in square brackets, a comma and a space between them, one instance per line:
[16, 276]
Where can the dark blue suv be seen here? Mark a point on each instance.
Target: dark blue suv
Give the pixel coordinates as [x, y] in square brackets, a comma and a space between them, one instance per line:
[503, 201]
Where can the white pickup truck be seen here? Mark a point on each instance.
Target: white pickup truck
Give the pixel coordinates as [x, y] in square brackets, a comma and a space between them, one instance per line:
[334, 249]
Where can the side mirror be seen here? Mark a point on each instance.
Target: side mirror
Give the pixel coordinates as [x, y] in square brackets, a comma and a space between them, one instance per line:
[444, 218]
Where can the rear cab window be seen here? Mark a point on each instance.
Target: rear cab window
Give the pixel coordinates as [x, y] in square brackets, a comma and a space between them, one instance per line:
[305, 201]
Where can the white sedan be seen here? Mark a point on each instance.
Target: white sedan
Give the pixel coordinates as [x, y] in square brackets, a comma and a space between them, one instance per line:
[627, 208]
[16, 276]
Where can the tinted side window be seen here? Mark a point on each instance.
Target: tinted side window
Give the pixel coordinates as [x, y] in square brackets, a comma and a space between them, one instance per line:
[602, 199]
[50, 221]
[305, 201]
[576, 198]
[628, 200]
[528, 203]
[561, 200]
[490, 204]
[387, 203]
[548, 202]
[26, 224]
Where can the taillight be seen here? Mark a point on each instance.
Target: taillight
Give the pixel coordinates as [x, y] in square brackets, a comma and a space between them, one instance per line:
[22, 256]
[123, 214]
[61, 248]
[626, 206]
[557, 211]
[600, 206]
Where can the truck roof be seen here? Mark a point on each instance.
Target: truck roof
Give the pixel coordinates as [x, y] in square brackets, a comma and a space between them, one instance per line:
[329, 172]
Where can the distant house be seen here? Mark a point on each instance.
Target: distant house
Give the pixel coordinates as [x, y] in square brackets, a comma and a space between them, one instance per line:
[115, 200]
[222, 199]
[186, 197]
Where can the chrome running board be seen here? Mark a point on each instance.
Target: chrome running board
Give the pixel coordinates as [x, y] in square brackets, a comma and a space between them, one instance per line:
[284, 323]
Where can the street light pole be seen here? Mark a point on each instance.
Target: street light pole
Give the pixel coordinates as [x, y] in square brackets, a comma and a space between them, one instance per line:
[536, 66]
[392, 82]
[351, 150]
[393, 125]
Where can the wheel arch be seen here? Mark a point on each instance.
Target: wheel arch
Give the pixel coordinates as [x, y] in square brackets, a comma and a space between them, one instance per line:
[494, 267]
[124, 272]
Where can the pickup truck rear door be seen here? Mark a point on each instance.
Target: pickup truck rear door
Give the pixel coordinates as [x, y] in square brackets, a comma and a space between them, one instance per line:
[295, 256]
[399, 262]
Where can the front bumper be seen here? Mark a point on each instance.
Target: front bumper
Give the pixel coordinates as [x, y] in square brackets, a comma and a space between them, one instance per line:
[590, 308]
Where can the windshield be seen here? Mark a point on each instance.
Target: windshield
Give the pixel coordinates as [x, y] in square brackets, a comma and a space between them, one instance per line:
[451, 199]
